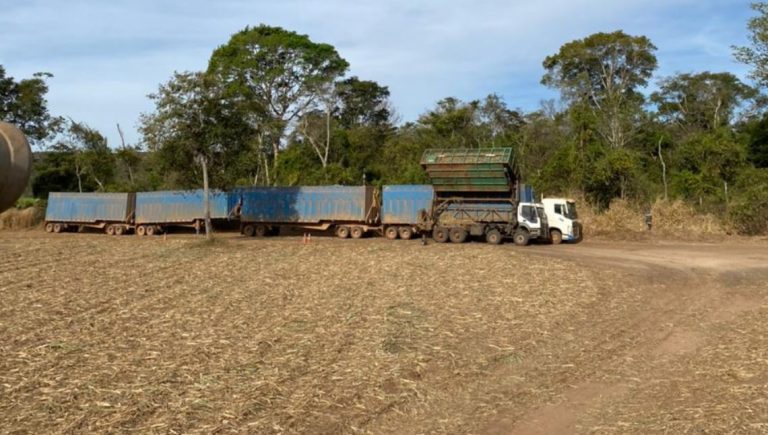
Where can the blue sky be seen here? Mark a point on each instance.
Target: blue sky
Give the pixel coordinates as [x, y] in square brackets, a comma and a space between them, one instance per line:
[106, 56]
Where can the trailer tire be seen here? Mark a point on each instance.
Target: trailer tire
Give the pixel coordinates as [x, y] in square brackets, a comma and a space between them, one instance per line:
[405, 233]
[261, 231]
[458, 235]
[48, 227]
[150, 231]
[390, 233]
[110, 230]
[357, 232]
[249, 230]
[57, 227]
[521, 237]
[555, 236]
[440, 234]
[141, 231]
[342, 232]
[493, 237]
[119, 230]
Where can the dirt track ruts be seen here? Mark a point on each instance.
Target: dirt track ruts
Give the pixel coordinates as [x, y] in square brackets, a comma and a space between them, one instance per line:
[375, 336]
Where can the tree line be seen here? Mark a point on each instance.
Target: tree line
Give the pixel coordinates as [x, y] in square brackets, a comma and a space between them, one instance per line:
[274, 107]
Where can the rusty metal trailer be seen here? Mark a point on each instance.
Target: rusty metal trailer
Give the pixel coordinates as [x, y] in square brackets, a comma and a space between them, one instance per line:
[404, 208]
[112, 212]
[156, 211]
[477, 194]
[346, 210]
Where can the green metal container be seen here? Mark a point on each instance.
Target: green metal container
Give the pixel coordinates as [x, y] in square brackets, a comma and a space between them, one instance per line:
[463, 171]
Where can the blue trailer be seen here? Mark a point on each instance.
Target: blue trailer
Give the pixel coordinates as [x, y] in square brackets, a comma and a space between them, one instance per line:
[403, 207]
[156, 211]
[348, 210]
[113, 212]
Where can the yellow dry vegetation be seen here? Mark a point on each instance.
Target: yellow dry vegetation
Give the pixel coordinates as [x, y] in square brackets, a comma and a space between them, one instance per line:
[672, 219]
[15, 219]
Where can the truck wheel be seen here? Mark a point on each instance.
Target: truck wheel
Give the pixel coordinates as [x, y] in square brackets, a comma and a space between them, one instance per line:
[48, 227]
[150, 231]
[57, 227]
[141, 230]
[493, 237]
[357, 232]
[440, 234]
[556, 237]
[249, 230]
[261, 230]
[342, 232]
[405, 233]
[119, 230]
[457, 235]
[521, 237]
[110, 230]
[390, 233]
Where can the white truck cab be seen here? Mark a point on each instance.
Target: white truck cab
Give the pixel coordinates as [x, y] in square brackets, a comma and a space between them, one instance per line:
[564, 224]
[533, 220]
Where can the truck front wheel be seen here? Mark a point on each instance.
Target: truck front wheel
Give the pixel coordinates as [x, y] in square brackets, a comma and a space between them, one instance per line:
[521, 237]
[555, 236]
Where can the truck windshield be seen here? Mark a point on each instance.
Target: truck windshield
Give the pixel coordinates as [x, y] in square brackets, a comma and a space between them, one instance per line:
[570, 212]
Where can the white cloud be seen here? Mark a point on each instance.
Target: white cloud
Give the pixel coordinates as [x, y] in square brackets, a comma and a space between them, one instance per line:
[107, 56]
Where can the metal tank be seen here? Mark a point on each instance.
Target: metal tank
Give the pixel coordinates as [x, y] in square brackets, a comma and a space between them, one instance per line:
[15, 164]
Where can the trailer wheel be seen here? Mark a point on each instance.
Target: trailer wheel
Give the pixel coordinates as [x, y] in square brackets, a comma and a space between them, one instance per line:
[390, 233]
[342, 232]
[357, 232]
[493, 237]
[57, 227]
[440, 234]
[457, 235]
[110, 230]
[249, 230]
[119, 230]
[521, 237]
[261, 230]
[48, 227]
[556, 237]
[405, 233]
[150, 231]
[141, 230]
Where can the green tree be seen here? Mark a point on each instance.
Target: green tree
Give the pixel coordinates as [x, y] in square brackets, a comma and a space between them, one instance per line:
[603, 73]
[277, 76]
[193, 117]
[23, 103]
[92, 156]
[757, 54]
[703, 101]
[363, 103]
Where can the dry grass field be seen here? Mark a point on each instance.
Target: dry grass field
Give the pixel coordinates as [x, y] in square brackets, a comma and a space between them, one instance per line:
[153, 335]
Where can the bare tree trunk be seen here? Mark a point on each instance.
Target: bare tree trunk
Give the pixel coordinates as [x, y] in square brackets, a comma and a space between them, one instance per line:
[127, 165]
[79, 173]
[327, 134]
[663, 170]
[206, 198]
[101, 185]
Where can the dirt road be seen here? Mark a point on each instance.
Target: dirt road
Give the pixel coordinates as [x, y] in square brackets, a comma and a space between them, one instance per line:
[695, 317]
[375, 336]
